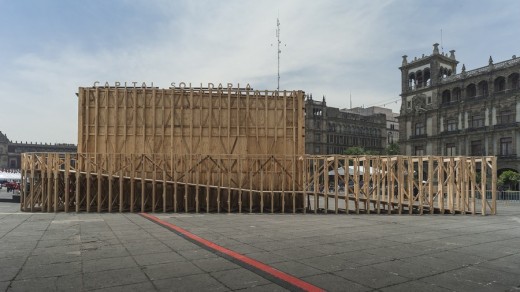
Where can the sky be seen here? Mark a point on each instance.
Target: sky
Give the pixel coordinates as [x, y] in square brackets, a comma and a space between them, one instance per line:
[333, 48]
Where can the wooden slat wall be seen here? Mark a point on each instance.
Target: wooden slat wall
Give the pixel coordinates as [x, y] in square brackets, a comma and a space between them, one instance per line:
[257, 184]
[190, 121]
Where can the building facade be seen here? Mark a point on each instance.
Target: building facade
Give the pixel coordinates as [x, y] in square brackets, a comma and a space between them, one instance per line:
[392, 123]
[10, 152]
[472, 113]
[330, 130]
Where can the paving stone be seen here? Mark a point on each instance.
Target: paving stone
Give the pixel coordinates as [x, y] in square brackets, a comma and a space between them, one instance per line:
[103, 279]
[371, 277]
[158, 258]
[50, 270]
[7, 273]
[112, 251]
[4, 285]
[35, 284]
[331, 282]
[196, 254]
[49, 258]
[171, 270]
[69, 282]
[108, 264]
[465, 280]
[329, 263]
[414, 286]
[506, 264]
[239, 279]
[195, 283]
[146, 248]
[215, 264]
[298, 253]
[139, 287]
[296, 269]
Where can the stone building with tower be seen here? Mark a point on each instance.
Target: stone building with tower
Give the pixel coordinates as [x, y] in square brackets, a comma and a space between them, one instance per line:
[471, 112]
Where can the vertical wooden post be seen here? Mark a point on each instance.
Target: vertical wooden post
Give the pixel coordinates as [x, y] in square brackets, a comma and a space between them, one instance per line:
[110, 170]
[132, 182]
[441, 184]
[493, 184]
[483, 185]
[121, 181]
[431, 175]
[77, 168]
[88, 175]
[100, 159]
[56, 165]
[67, 182]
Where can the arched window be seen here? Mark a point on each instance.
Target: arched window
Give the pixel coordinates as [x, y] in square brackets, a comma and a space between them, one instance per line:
[443, 73]
[500, 84]
[471, 90]
[446, 96]
[456, 93]
[427, 77]
[482, 88]
[419, 75]
[411, 81]
[512, 80]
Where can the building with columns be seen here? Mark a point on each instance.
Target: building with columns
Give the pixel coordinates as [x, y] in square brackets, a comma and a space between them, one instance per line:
[330, 130]
[10, 152]
[471, 112]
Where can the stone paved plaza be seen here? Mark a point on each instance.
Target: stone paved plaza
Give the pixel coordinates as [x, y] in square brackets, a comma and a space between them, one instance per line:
[126, 252]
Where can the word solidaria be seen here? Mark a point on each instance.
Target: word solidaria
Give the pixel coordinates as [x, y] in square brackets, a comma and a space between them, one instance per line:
[172, 85]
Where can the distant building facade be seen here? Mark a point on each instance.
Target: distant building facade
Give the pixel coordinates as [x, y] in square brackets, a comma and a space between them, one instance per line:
[471, 113]
[330, 130]
[10, 152]
[392, 123]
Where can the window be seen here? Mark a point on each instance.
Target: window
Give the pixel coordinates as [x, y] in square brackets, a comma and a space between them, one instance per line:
[482, 88]
[419, 150]
[317, 149]
[452, 125]
[500, 84]
[471, 90]
[477, 121]
[476, 148]
[512, 80]
[317, 137]
[456, 93]
[429, 100]
[419, 129]
[409, 104]
[506, 146]
[446, 96]
[451, 149]
[506, 117]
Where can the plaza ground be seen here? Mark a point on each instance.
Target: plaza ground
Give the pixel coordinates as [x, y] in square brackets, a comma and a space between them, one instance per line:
[127, 252]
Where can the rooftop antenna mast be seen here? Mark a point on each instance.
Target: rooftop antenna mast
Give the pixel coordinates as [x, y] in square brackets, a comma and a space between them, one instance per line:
[279, 51]
[442, 48]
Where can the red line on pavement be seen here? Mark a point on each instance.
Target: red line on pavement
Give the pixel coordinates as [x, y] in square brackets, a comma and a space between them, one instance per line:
[240, 257]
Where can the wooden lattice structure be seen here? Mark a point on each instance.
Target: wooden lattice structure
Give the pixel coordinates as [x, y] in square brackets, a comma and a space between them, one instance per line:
[233, 150]
[178, 121]
[258, 184]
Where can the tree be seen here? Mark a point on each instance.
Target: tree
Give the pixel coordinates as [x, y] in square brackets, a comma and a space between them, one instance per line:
[508, 179]
[392, 149]
[358, 151]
